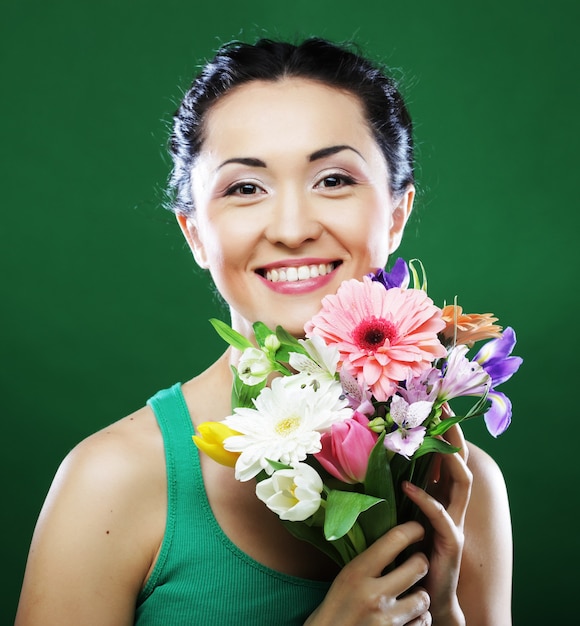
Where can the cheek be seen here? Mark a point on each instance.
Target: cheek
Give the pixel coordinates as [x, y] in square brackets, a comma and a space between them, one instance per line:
[373, 232]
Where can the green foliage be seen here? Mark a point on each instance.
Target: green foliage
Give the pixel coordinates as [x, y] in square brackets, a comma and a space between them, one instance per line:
[243, 395]
[342, 511]
[229, 335]
[432, 444]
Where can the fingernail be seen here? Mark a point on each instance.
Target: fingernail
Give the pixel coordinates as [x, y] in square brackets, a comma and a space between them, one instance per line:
[410, 486]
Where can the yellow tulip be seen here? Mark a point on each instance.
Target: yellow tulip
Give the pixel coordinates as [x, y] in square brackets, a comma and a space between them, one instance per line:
[210, 439]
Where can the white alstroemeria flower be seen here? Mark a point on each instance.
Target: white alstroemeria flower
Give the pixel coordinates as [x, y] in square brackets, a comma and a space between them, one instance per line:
[462, 377]
[254, 366]
[319, 368]
[293, 494]
[408, 417]
[285, 426]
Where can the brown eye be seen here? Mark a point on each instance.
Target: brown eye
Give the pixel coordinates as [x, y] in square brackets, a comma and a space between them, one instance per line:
[243, 189]
[331, 181]
[335, 180]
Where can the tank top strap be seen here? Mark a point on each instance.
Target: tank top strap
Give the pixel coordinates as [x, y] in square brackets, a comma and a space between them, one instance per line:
[183, 471]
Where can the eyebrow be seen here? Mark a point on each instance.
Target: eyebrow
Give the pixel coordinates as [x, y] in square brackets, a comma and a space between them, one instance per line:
[315, 156]
[243, 161]
[324, 152]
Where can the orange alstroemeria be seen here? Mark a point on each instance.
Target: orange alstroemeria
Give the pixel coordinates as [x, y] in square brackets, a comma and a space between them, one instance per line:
[210, 439]
[467, 329]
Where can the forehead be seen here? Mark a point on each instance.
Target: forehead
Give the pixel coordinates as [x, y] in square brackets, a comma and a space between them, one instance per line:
[290, 112]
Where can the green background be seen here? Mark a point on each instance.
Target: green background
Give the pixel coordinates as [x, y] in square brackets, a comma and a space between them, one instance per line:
[102, 304]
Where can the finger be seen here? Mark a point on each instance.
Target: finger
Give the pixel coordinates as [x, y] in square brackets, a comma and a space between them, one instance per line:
[413, 608]
[439, 518]
[422, 620]
[459, 479]
[405, 576]
[384, 550]
[455, 437]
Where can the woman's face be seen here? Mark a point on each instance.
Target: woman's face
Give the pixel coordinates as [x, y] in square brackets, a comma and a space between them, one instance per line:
[292, 197]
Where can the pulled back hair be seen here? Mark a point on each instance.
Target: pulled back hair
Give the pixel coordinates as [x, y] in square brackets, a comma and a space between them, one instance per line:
[316, 59]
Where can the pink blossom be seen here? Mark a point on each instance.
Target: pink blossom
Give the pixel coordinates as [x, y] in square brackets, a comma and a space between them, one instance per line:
[346, 449]
[383, 335]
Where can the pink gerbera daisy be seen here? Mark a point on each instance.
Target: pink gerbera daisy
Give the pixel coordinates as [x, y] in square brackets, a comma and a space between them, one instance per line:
[383, 335]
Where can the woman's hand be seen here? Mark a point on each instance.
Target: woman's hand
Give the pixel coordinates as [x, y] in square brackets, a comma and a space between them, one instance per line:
[445, 509]
[362, 596]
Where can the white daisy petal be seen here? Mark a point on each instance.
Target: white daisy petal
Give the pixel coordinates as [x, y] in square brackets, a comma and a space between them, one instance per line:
[285, 426]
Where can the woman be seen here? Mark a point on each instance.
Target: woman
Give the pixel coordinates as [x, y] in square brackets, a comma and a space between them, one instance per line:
[293, 172]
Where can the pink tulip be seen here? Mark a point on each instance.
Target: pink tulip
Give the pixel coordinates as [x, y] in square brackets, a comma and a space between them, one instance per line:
[346, 449]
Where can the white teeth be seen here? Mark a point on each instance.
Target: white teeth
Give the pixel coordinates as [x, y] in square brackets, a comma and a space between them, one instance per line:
[293, 274]
[303, 272]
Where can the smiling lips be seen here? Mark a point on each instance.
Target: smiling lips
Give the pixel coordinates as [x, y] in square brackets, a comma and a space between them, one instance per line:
[301, 278]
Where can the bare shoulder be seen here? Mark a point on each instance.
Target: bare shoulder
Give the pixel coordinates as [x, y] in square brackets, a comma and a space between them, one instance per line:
[121, 457]
[486, 570]
[100, 527]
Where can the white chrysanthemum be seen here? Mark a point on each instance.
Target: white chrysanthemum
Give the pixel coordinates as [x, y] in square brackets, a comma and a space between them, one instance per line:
[285, 426]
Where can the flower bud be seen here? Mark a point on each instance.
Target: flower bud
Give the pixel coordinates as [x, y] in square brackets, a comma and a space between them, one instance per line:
[346, 449]
[272, 343]
[210, 439]
[377, 425]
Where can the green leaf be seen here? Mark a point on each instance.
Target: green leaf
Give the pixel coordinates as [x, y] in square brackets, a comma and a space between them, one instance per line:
[379, 480]
[288, 343]
[261, 331]
[378, 520]
[281, 368]
[445, 425]
[431, 444]
[229, 335]
[278, 466]
[379, 483]
[478, 408]
[242, 394]
[315, 536]
[342, 511]
[418, 283]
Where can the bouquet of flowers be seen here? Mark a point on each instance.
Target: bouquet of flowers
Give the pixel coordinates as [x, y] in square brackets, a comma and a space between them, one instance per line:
[330, 426]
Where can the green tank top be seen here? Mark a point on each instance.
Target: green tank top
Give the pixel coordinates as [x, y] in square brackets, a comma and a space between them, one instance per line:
[201, 577]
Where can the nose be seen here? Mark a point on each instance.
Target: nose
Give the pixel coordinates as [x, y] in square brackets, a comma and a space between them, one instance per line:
[292, 220]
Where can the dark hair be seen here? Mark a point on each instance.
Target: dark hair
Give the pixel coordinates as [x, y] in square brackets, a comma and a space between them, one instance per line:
[317, 59]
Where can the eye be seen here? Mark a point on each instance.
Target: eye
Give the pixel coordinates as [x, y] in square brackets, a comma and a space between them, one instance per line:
[243, 189]
[335, 180]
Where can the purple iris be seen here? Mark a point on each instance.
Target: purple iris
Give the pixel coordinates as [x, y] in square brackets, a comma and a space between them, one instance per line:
[495, 358]
[397, 277]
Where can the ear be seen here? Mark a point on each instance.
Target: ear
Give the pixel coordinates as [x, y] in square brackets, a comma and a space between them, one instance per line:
[191, 234]
[400, 215]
